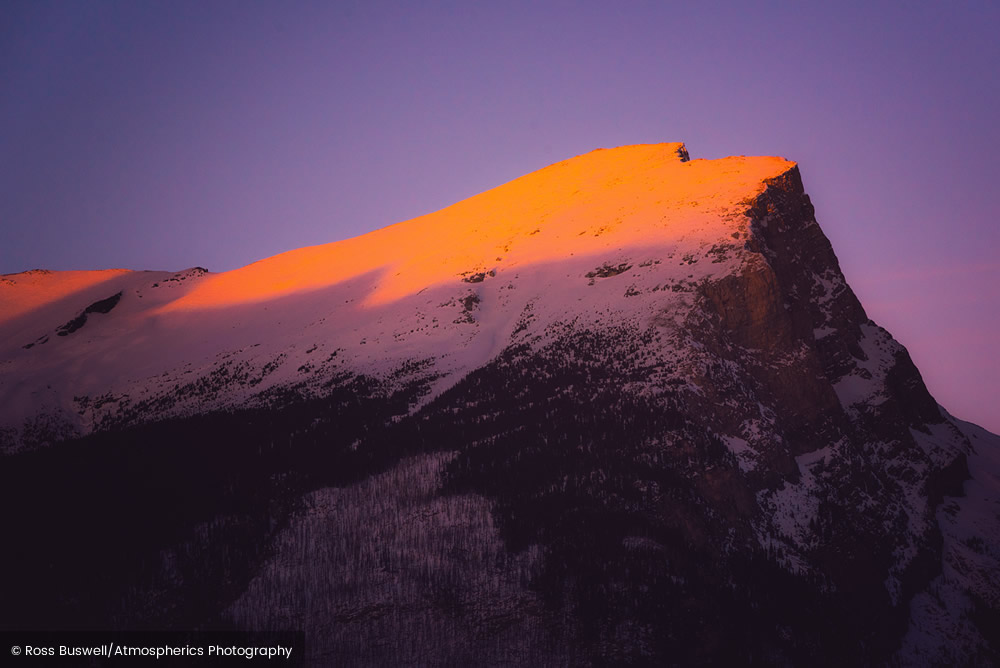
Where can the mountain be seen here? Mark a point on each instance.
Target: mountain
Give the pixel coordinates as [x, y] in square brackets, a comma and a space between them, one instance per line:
[624, 410]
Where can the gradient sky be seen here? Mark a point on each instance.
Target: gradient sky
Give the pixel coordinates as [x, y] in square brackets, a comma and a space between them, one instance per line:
[163, 135]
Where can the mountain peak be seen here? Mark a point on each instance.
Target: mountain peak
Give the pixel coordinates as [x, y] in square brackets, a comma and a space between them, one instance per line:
[596, 398]
[610, 197]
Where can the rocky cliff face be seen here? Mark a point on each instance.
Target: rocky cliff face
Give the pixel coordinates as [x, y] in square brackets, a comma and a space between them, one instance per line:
[634, 416]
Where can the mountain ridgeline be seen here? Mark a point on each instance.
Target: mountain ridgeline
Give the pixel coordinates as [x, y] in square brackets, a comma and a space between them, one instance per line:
[624, 410]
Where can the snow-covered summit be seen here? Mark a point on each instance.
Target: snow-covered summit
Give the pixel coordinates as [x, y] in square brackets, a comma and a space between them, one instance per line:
[396, 293]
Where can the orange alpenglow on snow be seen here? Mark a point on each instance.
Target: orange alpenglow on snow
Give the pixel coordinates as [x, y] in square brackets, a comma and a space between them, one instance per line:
[36, 288]
[628, 196]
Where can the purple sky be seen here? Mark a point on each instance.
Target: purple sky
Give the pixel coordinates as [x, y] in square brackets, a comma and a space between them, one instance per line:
[162, 135]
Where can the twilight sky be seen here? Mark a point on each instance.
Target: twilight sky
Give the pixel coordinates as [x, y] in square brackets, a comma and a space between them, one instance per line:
[163, 135]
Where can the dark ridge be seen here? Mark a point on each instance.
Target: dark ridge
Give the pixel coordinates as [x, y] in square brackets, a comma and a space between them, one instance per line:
[101, 306]
[73, 325]
[104, 305]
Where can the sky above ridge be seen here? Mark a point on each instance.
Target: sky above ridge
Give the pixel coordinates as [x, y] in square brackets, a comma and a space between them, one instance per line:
[164, 135]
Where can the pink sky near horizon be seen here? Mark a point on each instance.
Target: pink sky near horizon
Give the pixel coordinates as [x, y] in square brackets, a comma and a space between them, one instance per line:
[169, 135]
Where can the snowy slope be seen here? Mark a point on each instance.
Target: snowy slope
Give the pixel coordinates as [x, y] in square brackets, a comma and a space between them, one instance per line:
[452, 286]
